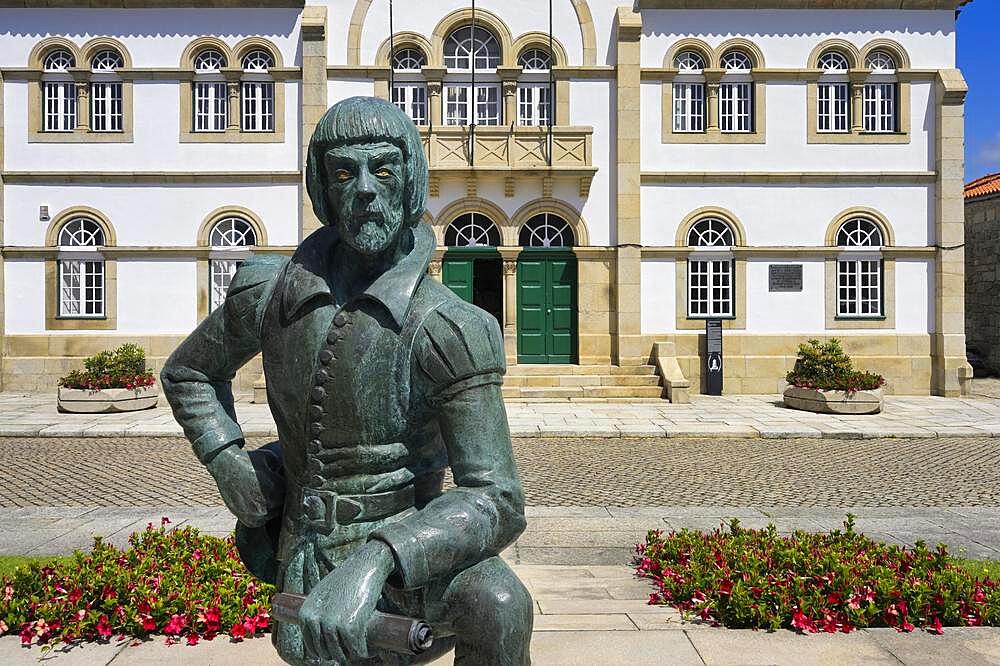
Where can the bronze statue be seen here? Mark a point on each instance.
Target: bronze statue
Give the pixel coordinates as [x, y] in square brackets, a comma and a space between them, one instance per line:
[378, 377]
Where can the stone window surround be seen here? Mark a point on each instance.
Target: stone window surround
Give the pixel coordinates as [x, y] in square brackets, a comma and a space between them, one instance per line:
[204, 258]
[888, 318]
[81, 75]
[53, 322]
[857, 76]
[509, 226]
[509, 72]
[714, 75]
[233, 75]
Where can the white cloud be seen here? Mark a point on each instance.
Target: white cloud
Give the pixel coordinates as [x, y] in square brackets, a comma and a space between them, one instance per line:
[990, 152]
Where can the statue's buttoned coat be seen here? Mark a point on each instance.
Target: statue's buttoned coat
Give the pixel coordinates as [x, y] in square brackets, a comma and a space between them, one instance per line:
[372, 399]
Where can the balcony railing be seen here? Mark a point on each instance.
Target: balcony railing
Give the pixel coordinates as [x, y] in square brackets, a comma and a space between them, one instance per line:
[508, 147]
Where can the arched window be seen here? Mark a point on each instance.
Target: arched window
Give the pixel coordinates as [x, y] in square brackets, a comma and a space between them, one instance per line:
[880, 94]
[257, 100]
[736, 93]
[534, 92]
[409, 90]
[710, 269]
[472, 230]
[833, 94]
[229, 239]
[81, 269]
[689, 93]
[211, 105]
[546, 230]
[464, 48]
[106, 102]
[58, 92]
[860, 270]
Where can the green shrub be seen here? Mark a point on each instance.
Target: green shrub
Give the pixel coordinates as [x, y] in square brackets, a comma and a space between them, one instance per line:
[825, 366]
[835, 582]
[124, 367]
[176, 582]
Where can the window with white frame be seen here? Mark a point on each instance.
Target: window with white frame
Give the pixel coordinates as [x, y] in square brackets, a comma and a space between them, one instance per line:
[689, 92]
[736, 93]
[106, 104]
[81, 269]
[546, 230]
[860, 270]
[534, 90]
[409, 91]
[711, 286]
[880, 104]
[463, 49]
[229, 239]
[58, 92]
[833, 94]
[472, 230]
[257, 92]
[211, 103]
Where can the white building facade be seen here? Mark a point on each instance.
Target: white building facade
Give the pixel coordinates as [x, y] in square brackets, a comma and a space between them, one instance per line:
[601, 187]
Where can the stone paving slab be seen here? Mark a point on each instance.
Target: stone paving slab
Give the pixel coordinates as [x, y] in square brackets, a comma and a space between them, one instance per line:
[29, 415]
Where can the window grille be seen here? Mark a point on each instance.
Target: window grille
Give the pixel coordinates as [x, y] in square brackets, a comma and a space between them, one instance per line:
[735, 107]
[859, 277]
[832, 61]
[546, 230]
[832, 107]
[59, 60]
[211, 112]
[229, 235]
[880, 61]
[257, 60]
[535, 60]
[710, 277]
[689, 107]
[408, 60]
[411, 98]
[107, 61]
[737, 61]
[472, 230]
[689, 61]
[459, 107]
[81, 278]
[463, 47]
[106, 106]
[60, 106]
[880, 107]
[209, 60]
[533, 104]
[258, 106]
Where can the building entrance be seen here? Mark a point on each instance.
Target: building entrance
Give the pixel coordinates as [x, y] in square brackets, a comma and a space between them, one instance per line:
[475, 274]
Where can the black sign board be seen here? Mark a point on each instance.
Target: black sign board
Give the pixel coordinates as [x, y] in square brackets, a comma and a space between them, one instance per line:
[713, 357]
[784, 277]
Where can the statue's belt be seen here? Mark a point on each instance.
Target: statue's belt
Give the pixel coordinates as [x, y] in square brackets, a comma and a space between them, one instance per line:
[323, 510]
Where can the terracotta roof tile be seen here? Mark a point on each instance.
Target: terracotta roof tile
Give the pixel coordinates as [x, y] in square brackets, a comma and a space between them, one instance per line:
[982, 187]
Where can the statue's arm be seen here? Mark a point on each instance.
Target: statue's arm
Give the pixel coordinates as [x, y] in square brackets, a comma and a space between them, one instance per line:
[461, 353]
[197, 377]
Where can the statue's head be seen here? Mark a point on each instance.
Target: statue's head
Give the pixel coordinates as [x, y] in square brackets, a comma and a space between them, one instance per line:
[366, 172]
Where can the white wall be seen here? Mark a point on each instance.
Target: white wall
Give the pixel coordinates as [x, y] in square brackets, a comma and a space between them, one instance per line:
[914, 296]
[785, 312]
[786, 148]
[591, 104]
[157, 296]
[788, 36]
[787, 215]
[24, 296]
[658, 279]
[150, 215]
[338, 89]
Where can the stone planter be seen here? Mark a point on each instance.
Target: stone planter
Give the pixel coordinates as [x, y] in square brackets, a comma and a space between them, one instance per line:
[834, 402]
[81, 401]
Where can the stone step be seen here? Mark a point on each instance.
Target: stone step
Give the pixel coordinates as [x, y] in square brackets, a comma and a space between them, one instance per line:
[631, 400]
[565, 381]
[533, 370]
[577, 392]
[623, 391]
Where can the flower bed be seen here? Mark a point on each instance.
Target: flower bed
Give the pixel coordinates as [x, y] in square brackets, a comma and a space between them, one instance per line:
[824, 380]
[180, 583]
[835, 582]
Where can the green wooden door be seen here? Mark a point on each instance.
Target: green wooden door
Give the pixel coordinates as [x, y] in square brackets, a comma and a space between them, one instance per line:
[456, 273]
[546, 308]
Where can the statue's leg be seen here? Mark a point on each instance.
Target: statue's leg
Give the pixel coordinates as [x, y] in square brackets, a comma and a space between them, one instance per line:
[492, 613]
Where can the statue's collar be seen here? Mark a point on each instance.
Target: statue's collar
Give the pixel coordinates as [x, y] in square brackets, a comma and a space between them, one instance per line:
[306, 275]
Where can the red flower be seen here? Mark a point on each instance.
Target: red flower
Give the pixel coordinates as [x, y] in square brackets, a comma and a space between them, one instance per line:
[104, 627]
[802, 622]
[905, 627]
[192, 639]
[148, 623]
[936, 626]
[27, 633]
[726, 588]
[164, 521]
[833, 598]
[237, 631]
[175, 625]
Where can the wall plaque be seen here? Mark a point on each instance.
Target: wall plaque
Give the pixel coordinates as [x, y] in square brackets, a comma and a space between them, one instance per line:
[784, 277]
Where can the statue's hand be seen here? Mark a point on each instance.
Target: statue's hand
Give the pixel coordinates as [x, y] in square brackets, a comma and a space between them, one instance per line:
[249, 493]
[335, 616]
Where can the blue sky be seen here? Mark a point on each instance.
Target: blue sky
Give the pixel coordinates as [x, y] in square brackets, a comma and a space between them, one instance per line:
[978, 32]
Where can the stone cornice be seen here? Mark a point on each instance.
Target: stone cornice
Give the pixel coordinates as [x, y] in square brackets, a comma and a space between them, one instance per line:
[798, 4]
[787, 177]
[150, 177]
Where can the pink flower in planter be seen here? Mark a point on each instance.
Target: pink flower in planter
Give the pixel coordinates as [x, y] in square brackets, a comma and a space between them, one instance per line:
[3, 627]
[8, 592]
[192, 639]
[104, 627]
[237, 631]
[175, 625]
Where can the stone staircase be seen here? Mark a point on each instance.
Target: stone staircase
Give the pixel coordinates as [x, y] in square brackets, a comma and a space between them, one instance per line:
[586, 383]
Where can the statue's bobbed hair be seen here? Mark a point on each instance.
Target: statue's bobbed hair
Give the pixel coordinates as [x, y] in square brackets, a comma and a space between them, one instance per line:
[367, 120]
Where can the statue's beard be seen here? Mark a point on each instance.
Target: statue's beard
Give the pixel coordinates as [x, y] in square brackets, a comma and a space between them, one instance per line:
[373, 231]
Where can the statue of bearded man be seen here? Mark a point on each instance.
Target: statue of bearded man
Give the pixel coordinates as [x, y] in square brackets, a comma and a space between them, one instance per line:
[378, 378]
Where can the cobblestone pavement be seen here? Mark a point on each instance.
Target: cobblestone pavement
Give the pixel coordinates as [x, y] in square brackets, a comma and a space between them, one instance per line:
[129, 472]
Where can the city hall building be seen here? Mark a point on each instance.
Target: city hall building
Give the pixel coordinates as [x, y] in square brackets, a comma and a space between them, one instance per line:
[605, 176]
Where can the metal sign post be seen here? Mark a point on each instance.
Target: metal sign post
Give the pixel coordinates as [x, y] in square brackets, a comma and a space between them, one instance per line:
[713, 357]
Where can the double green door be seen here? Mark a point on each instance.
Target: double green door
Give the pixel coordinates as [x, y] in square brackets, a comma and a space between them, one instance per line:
[546, 307]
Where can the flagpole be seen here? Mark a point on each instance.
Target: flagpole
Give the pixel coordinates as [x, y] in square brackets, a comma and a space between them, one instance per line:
[392, 56]
[475, 101]
[552, 85]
